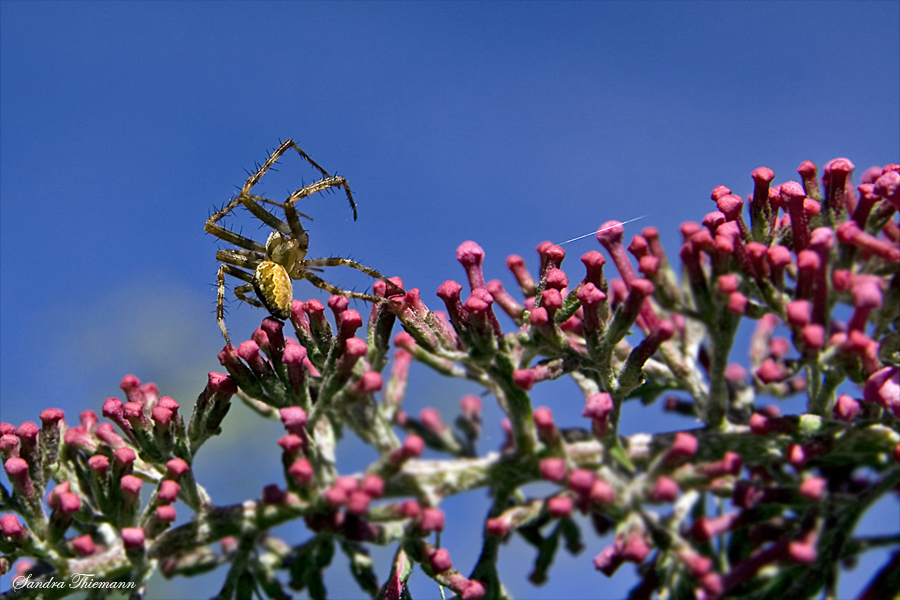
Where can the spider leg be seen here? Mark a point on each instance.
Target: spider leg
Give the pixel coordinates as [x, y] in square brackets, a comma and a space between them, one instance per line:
[324, 285]
[235, 238]
[240, 292]
[244, 259]
[346, 262]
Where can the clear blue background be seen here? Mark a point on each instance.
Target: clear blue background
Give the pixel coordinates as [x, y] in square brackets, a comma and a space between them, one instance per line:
[123, 124]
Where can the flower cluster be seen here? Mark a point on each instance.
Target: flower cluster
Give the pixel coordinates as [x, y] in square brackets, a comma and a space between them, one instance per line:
[789, 490]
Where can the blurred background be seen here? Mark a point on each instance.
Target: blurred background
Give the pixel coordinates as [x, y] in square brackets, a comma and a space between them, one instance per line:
[122, 125]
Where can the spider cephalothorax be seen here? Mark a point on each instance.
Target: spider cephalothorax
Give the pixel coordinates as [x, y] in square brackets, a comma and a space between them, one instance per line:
[268, 269]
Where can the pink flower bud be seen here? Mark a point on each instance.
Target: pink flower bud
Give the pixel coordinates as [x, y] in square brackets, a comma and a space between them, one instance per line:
[608, 561]
[133, 538]
[83, 545]
[684, 446]
[581, 481]
[175, 468]
[336, 496]
[602, 492]
[294, 419]
[440, 561]
[373, 486]
[166, 513]
[664, 490]
[553, 469]
[301, 471]
[559, 507]
[432, 520]
[813, 488]
[358, 503]
[168, 491]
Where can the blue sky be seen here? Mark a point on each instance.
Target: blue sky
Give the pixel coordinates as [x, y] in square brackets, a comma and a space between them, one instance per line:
[123, 124]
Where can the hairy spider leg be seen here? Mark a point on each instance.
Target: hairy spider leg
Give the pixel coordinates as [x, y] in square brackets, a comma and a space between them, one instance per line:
[346, 262]
[324, 285]
[240, 292]
[326, 177]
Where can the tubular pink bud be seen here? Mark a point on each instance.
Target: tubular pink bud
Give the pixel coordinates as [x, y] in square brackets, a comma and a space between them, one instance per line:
[684, 446]
[813, 488]
[581, 481]
[432, 520]
[373, 486]
[664, 490]
[553, 469]
[608, 561]
[471, 257]
[294, 419]
[168, 491]
[175, 468]
[358, 503]
[301, 471]
[602, 492]
[635, 549]
[560, 507]
[610, 237]
[166, 513]
[83, 545]
[516, 264]
[133, 538]
[131, 486]
[598, 406]
[431, 419]
[846, 408]
[440, 561]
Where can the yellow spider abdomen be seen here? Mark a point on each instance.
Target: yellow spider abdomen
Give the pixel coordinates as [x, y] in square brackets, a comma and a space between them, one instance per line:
[273, 288]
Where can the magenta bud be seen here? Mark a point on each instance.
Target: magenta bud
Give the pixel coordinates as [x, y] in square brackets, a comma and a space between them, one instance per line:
[602, 492]
[684, 446]
[84, 545]
[133, 538]
[99, 464]
[175, 468]
[10, 527]
[440, 561]
[168, 491]
[358, 503]
[803, 553]
[124, 456]
[560, 507]
[664, 490]
[813, 488]
[373, 486]
[608, 561]
[294, 419]
[543, 419]
[301, 471]
[598, 406]
[474, 590]
[410, 509]
[635, 548]
[336, 496]
[553, 469]
[471, 257]
[846, 408]
[524, 379]
[581, 481]
[69, 503]
[432, 520]
[498, 526]
[431, 419]
[166, 513]
[131, 486]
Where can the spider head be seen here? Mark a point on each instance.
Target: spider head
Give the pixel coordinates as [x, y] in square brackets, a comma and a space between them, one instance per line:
[285, 250]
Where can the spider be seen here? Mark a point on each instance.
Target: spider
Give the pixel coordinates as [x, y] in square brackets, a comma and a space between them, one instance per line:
[269, 268]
